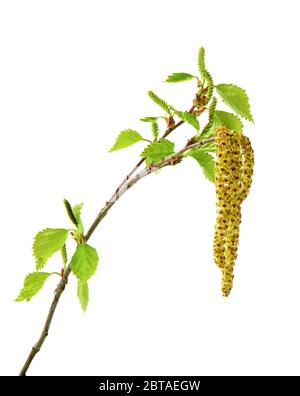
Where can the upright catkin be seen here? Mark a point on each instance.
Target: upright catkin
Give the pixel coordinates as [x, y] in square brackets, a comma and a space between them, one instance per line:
[64, 255]
[70, 212]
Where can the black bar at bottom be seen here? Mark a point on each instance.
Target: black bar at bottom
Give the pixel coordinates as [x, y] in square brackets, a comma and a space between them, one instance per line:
[129, 385]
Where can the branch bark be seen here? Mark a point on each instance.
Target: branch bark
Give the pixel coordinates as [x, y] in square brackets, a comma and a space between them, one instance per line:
[60, 288]
[124, 186]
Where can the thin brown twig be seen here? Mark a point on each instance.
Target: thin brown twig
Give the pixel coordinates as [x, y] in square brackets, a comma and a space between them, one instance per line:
[108, 205]
[171, 160]
[59, 290]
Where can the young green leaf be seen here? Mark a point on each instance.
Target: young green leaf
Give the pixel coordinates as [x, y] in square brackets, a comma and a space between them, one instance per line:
[46, 243]
[179, 77]
[188, 117]
[156, 151]
[236, 98]
[84, 262]
[206, 162]
[148, 119]
[77, 213]
[160, 102]
[32, 285]
[126, 138]
[208, 147]
[83, 294]
[229, 120]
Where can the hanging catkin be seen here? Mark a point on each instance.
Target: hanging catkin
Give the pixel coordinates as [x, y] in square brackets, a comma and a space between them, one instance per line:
[234, 214]
[247, 167]
[222, 194]
[234, 170]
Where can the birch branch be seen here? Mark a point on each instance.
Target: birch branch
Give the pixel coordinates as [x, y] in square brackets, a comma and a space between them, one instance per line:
[124, 186]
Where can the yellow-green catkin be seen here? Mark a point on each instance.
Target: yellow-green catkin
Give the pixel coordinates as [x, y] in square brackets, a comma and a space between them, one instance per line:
[234, 170]
[240, 192]
[247, 167]
[234, 215]
[223, 180]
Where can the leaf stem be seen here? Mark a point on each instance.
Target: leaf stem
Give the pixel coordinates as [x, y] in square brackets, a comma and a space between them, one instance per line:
[56, 273]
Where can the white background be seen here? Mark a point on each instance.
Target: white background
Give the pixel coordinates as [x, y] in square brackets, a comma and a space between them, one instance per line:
[72, 75]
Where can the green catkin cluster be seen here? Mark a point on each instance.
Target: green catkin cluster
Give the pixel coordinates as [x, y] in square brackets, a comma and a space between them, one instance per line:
[64, 255]
[211, 117]
[70, 212]
[210, 85]
[160, 102]
[201, 62]
[155, 130]
[234, 169]
[205, 75]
